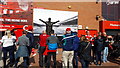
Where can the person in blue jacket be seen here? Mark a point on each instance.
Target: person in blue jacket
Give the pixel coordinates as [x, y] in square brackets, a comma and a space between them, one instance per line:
[76, 43]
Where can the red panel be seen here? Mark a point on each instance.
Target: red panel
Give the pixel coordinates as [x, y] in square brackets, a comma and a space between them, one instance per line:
[109, 25]
[92, 32]
[12, 5]
[18, 33]
[81, 32]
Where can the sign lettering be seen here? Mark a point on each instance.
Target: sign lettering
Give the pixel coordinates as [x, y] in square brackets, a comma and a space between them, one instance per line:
[14, 20]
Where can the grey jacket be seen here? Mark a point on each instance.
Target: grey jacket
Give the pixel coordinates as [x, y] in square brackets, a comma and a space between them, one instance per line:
[22, 51]
[23, 40]
[52, 39]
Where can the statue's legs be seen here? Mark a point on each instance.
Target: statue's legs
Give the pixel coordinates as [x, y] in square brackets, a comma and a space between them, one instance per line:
[48, 30]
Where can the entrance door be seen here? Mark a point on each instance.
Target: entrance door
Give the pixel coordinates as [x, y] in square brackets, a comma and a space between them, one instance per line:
[112, 31]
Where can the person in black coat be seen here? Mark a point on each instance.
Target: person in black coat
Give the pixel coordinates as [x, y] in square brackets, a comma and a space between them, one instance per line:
[31, 41]
[99, 48]
[84, 52]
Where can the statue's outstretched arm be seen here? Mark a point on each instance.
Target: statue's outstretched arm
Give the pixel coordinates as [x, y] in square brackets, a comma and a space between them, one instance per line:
[42, 21]
[55, 22]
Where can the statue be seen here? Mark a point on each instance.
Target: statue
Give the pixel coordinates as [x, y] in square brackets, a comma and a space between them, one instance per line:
[49, 25]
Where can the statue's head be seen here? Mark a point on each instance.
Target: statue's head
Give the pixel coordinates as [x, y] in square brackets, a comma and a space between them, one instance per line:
[49, 19]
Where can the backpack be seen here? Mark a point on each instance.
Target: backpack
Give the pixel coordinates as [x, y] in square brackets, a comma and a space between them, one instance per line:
[53, 46]
[68, 42]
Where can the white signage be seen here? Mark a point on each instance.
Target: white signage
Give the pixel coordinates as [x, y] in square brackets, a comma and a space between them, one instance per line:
[14, 20]
[114, 24]
[7, 26]
[109, 2]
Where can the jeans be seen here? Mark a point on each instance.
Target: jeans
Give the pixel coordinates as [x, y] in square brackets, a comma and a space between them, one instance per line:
[105, 54]
[75, 59]
[98, 57]
[5, 50]
[84, 63]
[41, 59]
[67, 56]
[49, 59]
[25, 62]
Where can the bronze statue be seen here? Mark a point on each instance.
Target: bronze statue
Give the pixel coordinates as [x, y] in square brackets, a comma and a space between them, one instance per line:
[49, 25]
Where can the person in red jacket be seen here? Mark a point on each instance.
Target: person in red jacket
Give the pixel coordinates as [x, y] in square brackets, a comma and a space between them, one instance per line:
[43, 37]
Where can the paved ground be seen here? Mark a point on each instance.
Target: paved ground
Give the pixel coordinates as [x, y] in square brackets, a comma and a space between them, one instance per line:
[34, 62]
[112, 64]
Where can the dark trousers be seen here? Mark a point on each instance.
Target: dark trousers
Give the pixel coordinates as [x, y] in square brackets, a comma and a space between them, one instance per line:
[93, 54]
[41, 59]
[49, 59]
[5, 50]
[84, 63]
[25, 62]
[98, 57]
[75, 60]
[29, 52]
[29, 49]
[0, 53]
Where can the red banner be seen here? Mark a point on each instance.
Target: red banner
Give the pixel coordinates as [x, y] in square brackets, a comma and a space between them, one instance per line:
[5, 26]
[109, 25]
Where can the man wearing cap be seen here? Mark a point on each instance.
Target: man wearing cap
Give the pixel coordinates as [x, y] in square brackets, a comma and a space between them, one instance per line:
[68, 48]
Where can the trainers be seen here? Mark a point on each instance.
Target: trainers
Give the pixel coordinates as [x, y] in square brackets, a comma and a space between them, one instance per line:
[30, 65]
[104, 62]
[97, 65]
[107, 61]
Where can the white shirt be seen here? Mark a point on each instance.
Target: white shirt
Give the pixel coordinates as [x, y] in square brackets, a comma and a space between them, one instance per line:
[8, 41]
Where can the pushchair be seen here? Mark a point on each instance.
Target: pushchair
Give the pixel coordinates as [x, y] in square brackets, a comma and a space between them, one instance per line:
[115, 53]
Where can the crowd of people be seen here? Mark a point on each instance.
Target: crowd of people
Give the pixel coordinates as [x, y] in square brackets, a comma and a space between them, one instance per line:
[87, 49]
[16, 48]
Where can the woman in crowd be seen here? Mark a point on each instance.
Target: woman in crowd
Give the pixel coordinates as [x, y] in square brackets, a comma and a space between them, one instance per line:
[8, 46]
[84, 52]
[105, 48]
[23, 42]
[110, 48]
[0, 54]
